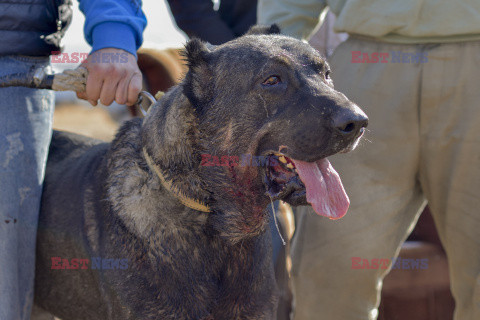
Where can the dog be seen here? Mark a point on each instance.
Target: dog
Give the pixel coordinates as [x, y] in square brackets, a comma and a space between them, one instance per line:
[145, 228]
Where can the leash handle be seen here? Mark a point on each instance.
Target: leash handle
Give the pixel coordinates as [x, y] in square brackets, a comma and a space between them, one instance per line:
[76, 80]
[35, 78]
[68, 80]
[71, 80]
[42, 78]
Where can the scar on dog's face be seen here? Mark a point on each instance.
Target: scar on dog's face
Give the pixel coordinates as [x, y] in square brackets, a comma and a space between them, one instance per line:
[272, 96]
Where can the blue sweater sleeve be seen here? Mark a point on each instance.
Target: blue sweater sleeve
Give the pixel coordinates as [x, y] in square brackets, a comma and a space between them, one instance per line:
[114, 24]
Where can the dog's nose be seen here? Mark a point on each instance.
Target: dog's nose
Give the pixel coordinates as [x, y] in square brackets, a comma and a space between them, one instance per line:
[350, 123]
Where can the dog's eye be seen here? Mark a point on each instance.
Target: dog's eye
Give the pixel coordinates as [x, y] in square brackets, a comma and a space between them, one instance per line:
[327, 74]
[272, 80]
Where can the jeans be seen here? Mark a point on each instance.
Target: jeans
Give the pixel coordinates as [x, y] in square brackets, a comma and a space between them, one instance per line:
[25, 132]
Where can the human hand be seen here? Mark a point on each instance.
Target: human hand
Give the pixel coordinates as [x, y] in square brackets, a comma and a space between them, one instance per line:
[113, 75]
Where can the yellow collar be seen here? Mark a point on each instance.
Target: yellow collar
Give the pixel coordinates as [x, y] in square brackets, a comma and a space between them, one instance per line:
[189, 202]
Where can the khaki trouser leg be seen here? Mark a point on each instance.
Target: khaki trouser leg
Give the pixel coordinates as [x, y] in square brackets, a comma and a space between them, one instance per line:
[450, 164]
[423, 119]
[380, 178]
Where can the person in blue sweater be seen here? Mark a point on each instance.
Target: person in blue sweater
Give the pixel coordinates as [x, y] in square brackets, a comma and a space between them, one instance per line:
[30, 32]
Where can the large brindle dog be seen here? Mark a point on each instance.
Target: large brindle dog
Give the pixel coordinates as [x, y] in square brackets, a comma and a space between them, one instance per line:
[140, 229]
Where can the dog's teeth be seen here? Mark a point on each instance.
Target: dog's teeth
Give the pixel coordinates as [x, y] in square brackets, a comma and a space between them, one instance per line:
[290, 166]
[282, 159]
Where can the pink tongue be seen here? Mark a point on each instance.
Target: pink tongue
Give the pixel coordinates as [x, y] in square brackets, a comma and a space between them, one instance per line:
[325, 191]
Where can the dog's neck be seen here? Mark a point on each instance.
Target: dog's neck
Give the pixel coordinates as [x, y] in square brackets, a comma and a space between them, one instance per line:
[178, 193]
[172, 143]
[135, 193]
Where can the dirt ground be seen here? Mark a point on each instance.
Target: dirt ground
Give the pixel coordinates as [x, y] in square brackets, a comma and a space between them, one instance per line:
[91, 121]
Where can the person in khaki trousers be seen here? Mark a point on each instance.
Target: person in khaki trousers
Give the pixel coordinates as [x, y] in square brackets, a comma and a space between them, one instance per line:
[423, 144]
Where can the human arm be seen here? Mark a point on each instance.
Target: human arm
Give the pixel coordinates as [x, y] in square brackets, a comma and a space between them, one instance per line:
[114, 29]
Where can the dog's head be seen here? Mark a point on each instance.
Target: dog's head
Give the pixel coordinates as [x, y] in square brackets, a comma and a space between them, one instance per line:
[254, 121]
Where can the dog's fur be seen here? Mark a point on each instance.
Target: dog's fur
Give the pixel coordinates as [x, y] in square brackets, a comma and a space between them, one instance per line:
[104, 200]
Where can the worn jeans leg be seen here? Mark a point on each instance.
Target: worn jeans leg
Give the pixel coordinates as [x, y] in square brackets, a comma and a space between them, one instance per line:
[25, 131]
[380, 177]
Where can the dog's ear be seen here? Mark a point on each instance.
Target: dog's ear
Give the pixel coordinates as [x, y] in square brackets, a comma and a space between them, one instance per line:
[197, 84]
[259, 29]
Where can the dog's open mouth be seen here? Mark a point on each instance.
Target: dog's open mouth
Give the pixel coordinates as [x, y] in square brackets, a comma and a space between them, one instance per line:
[298, 182]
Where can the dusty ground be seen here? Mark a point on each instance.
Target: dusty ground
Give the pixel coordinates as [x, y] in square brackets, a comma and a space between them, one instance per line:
[94, 122]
